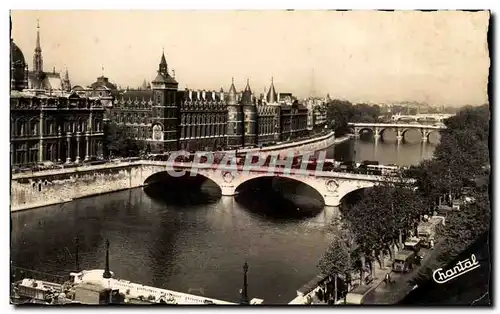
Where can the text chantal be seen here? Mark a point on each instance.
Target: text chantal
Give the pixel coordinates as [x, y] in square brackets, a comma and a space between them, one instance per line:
[460, 268]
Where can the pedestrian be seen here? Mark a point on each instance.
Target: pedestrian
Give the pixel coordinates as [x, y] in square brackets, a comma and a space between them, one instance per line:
[387, 278]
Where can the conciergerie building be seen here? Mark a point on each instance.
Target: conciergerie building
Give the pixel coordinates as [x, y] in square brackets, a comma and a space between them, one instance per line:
[170, 119]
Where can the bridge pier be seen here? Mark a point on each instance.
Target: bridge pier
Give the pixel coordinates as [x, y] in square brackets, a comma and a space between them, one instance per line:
[228, 190]
[331, 200]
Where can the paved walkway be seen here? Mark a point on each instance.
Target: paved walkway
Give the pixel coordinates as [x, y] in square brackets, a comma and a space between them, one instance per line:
[393, 293]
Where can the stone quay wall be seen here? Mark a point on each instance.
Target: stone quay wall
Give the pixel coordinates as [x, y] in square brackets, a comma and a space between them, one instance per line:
[54, 187]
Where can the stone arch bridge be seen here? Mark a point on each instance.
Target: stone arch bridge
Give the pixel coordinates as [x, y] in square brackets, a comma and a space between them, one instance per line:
[332, 186]
[378, 129]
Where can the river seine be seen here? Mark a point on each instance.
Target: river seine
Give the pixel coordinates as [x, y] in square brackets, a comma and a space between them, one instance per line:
[183, 236]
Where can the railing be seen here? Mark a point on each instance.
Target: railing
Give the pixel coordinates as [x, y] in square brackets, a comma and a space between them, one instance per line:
[213, 166]
[273, 170]
[19, 273]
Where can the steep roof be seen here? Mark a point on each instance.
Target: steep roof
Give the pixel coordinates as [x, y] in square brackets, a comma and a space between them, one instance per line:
[271, 94]
[232, 96]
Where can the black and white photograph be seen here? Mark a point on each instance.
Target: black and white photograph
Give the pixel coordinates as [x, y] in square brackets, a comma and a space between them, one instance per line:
[330, 158]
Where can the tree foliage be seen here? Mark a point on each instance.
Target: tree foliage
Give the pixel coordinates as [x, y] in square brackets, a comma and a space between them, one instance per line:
[385, 213]
[341, 112]
[461, 159]
[464, 227]
[336, 259]
[121, 142]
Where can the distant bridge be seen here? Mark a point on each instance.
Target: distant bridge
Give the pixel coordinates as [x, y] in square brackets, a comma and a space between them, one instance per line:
[438, 117]
[378, 129]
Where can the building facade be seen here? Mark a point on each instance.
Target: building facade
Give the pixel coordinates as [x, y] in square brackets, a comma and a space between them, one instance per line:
[169, 119]
[47, 122]
[317, 109]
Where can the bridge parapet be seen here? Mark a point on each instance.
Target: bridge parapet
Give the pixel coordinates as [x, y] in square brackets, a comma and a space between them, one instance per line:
[332, 186]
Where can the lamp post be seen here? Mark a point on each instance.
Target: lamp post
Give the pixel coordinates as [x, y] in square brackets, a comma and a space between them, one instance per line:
[77, 262]
[244, 291]
[107, 272]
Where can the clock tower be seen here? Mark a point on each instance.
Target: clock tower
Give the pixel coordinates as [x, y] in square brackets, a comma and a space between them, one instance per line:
[164, 110]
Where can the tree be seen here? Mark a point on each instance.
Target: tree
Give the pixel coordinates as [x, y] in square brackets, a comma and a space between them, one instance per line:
[341, 112]
[338, 260]
[459, 160]
[120, 141]
[464, 227]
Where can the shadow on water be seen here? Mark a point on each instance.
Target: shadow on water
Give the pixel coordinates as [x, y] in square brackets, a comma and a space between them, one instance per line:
[183, 191]
[279, 199]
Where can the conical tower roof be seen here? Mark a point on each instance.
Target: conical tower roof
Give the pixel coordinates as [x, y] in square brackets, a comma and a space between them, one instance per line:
[232, 98]
[246, 98]
[272, 97]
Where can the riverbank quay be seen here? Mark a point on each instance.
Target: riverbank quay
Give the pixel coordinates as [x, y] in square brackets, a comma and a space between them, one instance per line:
[308, 294]
[397, 291]
[57, 186]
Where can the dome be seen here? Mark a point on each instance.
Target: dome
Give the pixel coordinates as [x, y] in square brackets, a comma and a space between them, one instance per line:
[18, 67]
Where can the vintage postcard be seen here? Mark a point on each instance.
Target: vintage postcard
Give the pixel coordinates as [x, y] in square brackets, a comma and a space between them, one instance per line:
[250, 157]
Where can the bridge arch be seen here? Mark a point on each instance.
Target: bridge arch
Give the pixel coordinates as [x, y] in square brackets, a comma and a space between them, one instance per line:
[361, 130]
[403, 132]
[347, 189]
[382, 130]
[355, 193]
[190, 179]
[431, 131]
[299, 179]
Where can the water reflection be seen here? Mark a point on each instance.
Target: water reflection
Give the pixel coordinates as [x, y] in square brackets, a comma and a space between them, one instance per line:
[184, 235]
[386, 150]
[188, 191]
[280, 200]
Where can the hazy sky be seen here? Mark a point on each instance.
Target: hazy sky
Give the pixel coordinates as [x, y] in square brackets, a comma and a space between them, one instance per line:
[436, 57]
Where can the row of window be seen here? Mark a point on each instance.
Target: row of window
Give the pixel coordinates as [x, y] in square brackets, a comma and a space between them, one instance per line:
[32, 127]
[199, 131]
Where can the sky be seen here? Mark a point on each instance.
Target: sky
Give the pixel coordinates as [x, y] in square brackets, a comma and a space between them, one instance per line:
[439, 58]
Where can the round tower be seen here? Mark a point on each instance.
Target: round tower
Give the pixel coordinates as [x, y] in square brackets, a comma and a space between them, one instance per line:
[250, 117]
[234, 119]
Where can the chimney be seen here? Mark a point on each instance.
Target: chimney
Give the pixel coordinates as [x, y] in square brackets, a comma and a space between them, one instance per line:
[190, 95]
[203, 95]
[221, 94]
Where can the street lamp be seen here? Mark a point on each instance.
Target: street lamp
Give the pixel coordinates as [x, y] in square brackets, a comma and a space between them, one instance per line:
[107, 272]
[244, 291]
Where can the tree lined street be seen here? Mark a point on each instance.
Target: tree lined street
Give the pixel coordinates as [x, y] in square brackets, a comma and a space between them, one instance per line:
[386, 215]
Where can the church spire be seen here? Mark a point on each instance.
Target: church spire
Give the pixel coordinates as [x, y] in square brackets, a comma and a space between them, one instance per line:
[38, 35]
[163, 67]
[66, 82]
[37, 57]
